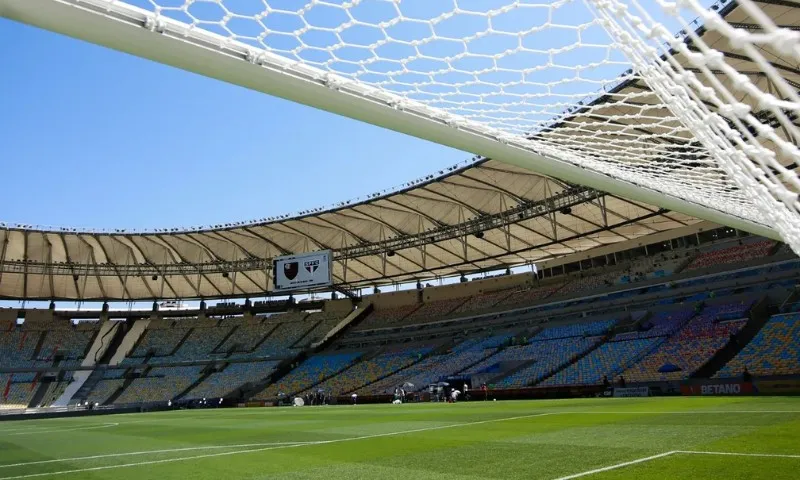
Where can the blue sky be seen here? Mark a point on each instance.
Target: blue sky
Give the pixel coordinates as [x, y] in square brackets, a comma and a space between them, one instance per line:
[95, 138]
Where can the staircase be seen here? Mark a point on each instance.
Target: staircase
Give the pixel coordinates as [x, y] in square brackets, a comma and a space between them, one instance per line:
[183, 340]
[305, 334]
[351, 320]
[114, 396]
[105, 343]
[207, 372]
[83, 388]
[759, 315]
[41, 391]
[222, 342]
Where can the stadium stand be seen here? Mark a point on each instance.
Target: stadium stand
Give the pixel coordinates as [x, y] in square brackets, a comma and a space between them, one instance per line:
[609, 359]
[308, 374]
[248, 334]
[381, 318]
[104, 390]
[701, 338]
[483, 302]
[432, 311]
[368, 371]
[323, 322]
[234, 375]
[433, 368]
[775, 350]
[734, 254]
[15, 395]
[395, 345]
[160, 384]
[547, 356]
[527, 297]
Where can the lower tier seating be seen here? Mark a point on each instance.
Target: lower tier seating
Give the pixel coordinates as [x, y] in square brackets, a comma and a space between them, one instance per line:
[690, 348]
[370, 370]
[309, 373]
[775, 350]
[608, 359]
[547, 355]
[219, 384]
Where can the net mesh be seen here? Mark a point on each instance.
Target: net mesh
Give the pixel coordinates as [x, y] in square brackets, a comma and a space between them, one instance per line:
[707, 115]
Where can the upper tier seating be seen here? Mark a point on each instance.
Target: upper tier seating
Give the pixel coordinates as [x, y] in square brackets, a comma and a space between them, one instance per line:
[432, 311]
[608, 359]
[384, 317]
[659, 325]
[775, 350]
[161, 338]
[245, 338]
[326, 323]
[690, 348]
[68, 341]
[524, 298]
[734, 254]
[482, 302]
[309, 373]
[370, 370]
[582, 329]
[281, 342]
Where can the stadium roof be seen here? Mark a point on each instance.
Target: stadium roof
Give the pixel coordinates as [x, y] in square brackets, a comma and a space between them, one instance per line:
[481, 216]
[419, 232]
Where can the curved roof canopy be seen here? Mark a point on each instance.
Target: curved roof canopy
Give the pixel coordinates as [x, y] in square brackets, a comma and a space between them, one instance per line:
[486, 215]
[481, 216]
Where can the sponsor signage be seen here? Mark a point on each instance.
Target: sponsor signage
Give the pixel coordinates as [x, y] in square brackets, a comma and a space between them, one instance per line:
[711, 389]
[779, 387]
[302, 271]
[632, 392]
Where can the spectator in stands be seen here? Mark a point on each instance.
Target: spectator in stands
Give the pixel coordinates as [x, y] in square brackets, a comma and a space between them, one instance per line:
[621, 381]
[746, 376]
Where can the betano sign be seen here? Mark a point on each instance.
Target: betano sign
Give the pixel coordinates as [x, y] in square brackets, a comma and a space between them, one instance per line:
[708, 389]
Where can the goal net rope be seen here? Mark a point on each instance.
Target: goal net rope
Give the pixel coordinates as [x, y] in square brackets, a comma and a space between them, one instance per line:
[692, 100]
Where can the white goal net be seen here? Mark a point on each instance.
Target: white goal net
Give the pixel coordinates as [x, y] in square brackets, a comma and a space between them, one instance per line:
[687, 99]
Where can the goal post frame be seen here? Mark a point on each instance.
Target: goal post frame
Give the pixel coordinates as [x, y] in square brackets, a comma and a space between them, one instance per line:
[134, 31]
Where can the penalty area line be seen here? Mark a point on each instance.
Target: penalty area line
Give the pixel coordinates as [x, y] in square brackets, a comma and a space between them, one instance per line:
[276, 447]
[618, 465]
[667, 454]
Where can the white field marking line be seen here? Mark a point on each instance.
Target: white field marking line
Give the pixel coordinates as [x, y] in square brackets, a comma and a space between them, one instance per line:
[618, 465]
[736, 454]
[321, 442]
[679, 412]
[68, 429]
[673, 452]
[147, 452]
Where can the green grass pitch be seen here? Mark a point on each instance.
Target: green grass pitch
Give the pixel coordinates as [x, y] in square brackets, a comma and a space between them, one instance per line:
[697, 438]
